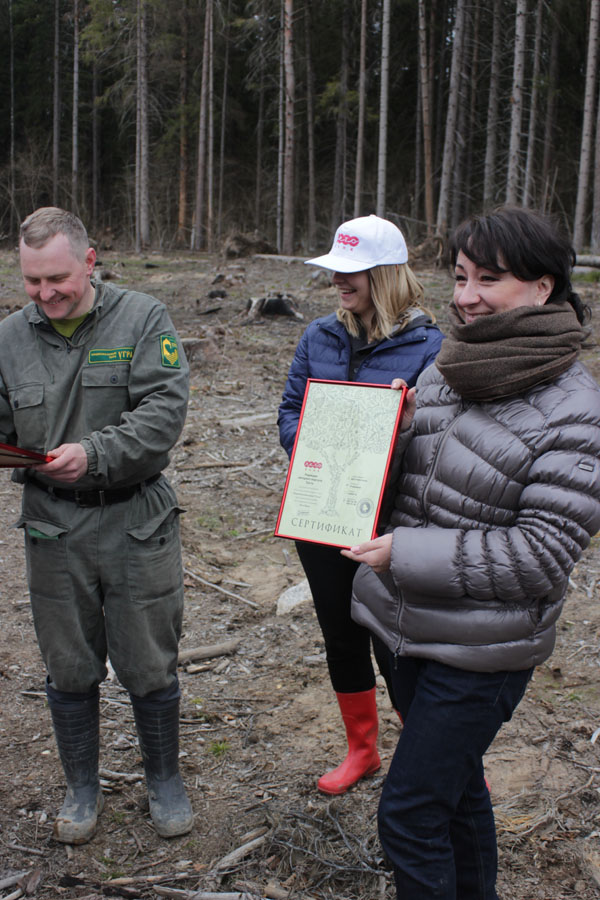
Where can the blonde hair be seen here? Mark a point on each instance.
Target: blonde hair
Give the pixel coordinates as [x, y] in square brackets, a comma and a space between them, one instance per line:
[395, 290]
[48, 221]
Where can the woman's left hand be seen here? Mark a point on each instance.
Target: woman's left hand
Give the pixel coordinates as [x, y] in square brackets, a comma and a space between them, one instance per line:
[376, 553]
[410, 404]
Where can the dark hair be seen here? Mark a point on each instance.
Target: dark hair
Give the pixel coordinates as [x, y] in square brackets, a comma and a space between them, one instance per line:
[524, 242]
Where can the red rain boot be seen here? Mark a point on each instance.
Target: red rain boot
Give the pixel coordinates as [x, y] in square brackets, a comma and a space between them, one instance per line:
[359, 712]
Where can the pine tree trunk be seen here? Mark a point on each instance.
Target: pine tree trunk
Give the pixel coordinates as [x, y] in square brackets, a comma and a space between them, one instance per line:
[144, 137]
[281, 132]
[424, 81]
[415, 204]
[95, 146]
[589, 106]
[138, 135]
[75, 116]
[458, 177]
[12, 188]
[197, 238]
[287, 239]
[514, 151]
[55, 104]
[210, 154]
[223, 124]
[362, 103]
[451, 120]
[259, 145]
[438, 54]
[489, 186]
[183, 131]
[311, 230]
[551, 90]
[528, 192]
[595, 237]
[338, 205]
[383, 109]
[472, 121]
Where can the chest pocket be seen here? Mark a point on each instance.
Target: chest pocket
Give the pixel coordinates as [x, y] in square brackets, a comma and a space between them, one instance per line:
[105, 394]
[29, 415]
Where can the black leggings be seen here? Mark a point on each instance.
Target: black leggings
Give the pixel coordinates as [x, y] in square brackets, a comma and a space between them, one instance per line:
[347, 645]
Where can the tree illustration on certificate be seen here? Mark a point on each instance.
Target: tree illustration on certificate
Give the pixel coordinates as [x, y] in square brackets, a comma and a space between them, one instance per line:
[340, 462]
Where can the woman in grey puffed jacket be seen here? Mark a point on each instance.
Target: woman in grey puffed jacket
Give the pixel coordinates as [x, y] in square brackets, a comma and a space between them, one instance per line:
[498, 496]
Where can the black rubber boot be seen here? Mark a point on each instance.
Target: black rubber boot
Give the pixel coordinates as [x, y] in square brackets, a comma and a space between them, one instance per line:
[77, 729]
[157, 724]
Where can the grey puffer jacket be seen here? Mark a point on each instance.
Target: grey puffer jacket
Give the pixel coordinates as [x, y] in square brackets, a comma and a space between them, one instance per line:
[495, 504]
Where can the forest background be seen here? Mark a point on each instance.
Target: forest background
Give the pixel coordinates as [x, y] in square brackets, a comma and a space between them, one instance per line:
[173, 123]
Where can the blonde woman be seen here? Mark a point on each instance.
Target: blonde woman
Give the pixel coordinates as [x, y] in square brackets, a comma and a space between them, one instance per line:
[380, 331]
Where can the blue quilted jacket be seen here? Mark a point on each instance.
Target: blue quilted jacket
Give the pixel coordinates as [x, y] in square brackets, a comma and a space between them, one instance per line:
[324, 352]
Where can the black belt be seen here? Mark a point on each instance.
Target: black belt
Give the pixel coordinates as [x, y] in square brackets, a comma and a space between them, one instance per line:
[92, 498]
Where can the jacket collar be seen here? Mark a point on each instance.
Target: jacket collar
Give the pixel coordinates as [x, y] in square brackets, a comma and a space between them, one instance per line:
[332, 324]
[106, 296]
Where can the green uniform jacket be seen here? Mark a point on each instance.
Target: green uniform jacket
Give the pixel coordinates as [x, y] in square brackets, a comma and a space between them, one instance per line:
[119, 386]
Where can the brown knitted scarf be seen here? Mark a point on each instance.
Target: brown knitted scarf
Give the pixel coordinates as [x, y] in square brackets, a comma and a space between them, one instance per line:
[509, 352]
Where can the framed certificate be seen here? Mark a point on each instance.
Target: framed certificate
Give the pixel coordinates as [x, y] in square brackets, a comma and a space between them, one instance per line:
[340, 462]
[16, 457]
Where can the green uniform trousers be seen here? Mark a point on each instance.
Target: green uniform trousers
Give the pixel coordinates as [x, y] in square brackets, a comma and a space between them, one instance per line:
[106, 581]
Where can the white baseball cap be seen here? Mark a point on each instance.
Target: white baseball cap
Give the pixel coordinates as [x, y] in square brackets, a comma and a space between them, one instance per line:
[362, 244]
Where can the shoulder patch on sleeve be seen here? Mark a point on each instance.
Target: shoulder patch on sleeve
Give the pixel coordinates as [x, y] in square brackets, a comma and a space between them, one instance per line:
[169, 352]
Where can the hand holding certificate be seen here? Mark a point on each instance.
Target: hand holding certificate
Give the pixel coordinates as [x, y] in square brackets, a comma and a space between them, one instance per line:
[17, 458]
[340, 462]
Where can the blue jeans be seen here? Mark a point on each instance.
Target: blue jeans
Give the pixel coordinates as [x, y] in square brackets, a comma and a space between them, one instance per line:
[435, 816]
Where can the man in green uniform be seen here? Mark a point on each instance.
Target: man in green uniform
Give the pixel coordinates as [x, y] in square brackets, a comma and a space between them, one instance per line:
[95, 377]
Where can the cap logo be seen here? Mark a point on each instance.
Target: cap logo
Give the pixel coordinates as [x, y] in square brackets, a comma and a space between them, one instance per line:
[348, 239]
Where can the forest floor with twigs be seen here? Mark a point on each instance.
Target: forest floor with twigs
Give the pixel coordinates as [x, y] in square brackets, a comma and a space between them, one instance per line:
[259, 722]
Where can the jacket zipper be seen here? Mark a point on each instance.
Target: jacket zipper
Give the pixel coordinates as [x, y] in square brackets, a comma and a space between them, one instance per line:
[388, 341]
[443, 439]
